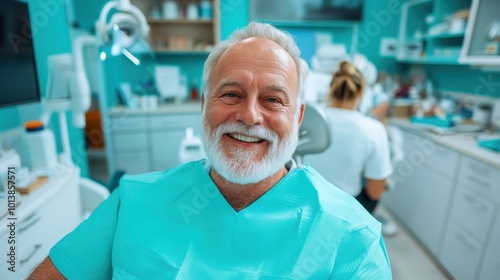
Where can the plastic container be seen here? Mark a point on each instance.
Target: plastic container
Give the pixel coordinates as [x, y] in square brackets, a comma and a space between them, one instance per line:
[41, 148]
[206, 9]
[191, 147]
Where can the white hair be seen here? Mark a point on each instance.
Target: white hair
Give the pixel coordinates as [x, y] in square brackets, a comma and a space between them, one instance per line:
[255, 29]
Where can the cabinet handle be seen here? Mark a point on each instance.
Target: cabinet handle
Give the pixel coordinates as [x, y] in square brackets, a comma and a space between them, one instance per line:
[479, 169]
[32, 253]
[474, 203]
[30, 221]
[478, 181]
[465, 240]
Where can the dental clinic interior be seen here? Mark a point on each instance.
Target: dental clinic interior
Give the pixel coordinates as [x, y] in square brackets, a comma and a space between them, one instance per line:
[93, 90]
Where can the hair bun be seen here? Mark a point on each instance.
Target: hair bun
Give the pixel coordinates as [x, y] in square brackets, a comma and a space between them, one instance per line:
[347, 68]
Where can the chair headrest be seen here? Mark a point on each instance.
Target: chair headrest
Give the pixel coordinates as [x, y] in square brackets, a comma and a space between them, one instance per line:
[315, 131]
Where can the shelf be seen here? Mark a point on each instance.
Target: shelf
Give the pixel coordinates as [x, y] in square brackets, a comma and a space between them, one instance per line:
[179, 21]
[430, 60]
[324, 24]
[444, 36]
[418, 3]
[180, 52]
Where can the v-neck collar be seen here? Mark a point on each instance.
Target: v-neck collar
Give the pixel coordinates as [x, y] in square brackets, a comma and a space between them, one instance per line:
[265, 203]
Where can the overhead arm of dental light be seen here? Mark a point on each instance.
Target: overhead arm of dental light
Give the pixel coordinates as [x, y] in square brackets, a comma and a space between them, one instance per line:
[127, 29]
[68, 89]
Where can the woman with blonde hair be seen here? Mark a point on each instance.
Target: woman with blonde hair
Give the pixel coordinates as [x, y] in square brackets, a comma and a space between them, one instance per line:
[360, 154]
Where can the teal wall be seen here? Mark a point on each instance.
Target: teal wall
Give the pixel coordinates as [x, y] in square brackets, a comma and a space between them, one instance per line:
[464, 79]
[381, 20]
[50, 36]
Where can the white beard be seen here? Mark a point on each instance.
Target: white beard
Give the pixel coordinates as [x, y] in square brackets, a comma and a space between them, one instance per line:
[242, 168]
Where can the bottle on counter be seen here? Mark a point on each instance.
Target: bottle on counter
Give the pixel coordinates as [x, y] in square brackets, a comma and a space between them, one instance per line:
[41, 147]
[194, 91]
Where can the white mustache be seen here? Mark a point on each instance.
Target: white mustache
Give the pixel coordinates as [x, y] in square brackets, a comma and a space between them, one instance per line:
[252, 131]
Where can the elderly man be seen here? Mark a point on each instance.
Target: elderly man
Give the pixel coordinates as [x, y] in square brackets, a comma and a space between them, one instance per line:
[247, 212]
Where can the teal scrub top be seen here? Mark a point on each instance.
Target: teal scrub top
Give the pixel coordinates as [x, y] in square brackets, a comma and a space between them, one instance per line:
[177, 225]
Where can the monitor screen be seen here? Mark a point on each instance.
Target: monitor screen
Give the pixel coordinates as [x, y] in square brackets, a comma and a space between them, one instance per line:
[18, 75]
[303, 11]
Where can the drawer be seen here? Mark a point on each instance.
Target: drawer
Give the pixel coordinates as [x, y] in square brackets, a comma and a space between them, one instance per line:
[130, 142]
[460, 253]
[439, 158]
[495, 235]
[176, 121]
[128, 124]
[32, 257]
[480, 178]
[473, 214]
[491, 265]
[30, 225]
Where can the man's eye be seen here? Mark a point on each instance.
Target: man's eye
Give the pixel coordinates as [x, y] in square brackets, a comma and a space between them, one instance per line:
[273, 100]
[229, 95]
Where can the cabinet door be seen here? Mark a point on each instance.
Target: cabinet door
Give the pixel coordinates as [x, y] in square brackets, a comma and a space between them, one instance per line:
[491, 265]
[460, 253]
[401, 200]
[480, 179]
[432, 200]
[482, 36]
[473, 214]
[133, 162]
[165, 148]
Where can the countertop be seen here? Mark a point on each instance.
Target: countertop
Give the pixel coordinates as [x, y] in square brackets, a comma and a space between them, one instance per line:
[163, 109]
[462, 142]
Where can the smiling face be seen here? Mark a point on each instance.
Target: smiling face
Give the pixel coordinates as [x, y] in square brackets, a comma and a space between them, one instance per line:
[251, 116]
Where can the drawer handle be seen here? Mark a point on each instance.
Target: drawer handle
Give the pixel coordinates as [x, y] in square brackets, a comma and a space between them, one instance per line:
[479, 169]
[474, 203]
[29, 222]
[32, 253]
[466, 241]
[478, 181]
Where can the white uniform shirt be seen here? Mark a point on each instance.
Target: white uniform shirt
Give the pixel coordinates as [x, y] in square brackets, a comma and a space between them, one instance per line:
[359, 149]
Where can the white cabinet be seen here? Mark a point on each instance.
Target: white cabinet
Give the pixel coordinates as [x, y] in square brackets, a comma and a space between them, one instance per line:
[460, 254]
[450, 200]
[472, 217]
[423, 188]
[151, 141]
[490, 268]
[166, 137]
[482, 37]
[130, 144]
[43, 218]
[491, 265]
[432, 200]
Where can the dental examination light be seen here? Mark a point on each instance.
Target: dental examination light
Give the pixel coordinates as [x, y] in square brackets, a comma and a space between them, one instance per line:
[126, 32]
[68, 89]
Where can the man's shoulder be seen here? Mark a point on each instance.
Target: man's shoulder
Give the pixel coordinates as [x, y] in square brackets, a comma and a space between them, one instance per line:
[178, 176]
[336, 205]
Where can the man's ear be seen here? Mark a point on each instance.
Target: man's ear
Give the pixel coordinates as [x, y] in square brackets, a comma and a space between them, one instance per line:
[301, 113]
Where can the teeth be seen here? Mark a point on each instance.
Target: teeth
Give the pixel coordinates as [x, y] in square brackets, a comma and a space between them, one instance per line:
[245, 138]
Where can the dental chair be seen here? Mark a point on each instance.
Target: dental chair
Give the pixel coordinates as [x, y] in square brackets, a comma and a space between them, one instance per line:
[314, 133]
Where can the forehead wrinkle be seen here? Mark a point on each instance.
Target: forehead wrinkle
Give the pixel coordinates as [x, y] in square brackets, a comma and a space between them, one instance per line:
[226, 83]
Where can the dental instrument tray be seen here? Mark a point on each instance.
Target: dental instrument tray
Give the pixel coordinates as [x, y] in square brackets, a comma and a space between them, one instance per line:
[432, 121]
[492, 144]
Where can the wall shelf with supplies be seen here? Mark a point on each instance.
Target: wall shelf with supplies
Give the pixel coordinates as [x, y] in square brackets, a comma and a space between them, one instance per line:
[181, 27]
[432, 32]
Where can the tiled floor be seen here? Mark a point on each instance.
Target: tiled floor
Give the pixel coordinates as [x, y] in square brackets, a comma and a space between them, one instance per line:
[409, 261]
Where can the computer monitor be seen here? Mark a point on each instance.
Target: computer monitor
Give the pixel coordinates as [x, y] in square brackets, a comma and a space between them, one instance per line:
[18, 73]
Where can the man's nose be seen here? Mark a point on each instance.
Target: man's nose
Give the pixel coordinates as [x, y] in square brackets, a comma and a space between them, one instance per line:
[250, 113]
